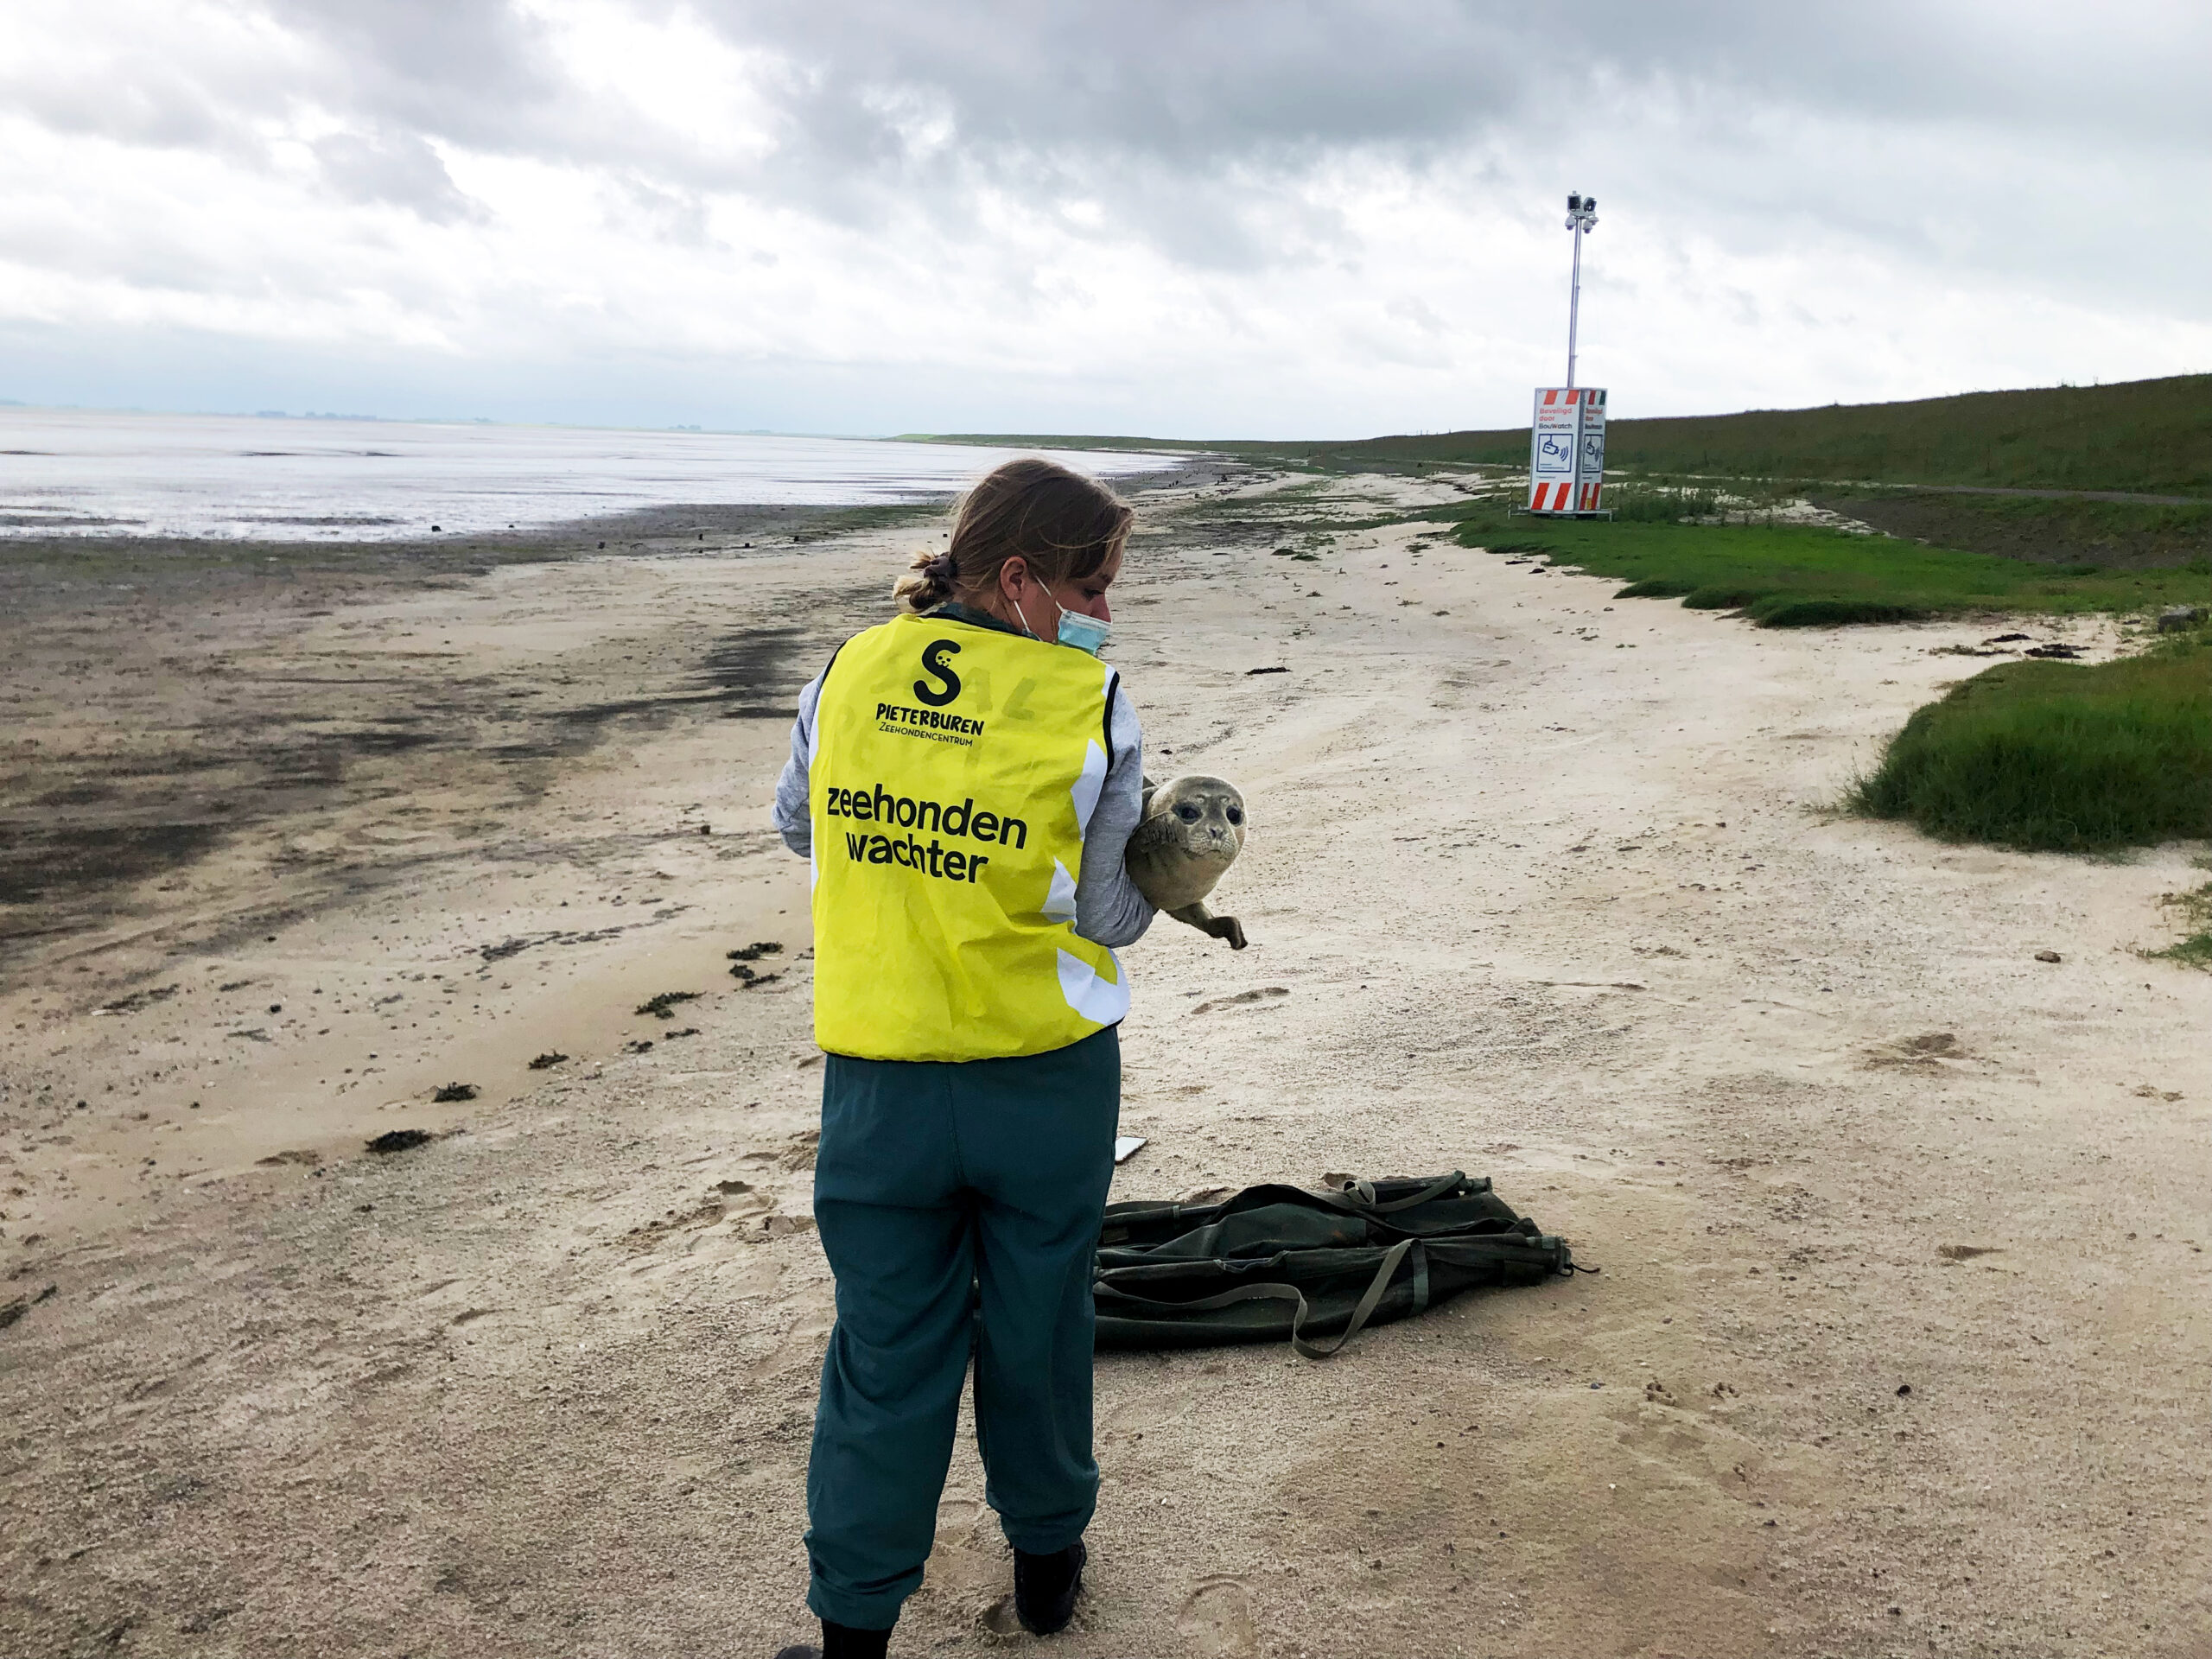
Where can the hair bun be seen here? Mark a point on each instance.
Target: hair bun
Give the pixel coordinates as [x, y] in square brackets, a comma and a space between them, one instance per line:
[927, 583]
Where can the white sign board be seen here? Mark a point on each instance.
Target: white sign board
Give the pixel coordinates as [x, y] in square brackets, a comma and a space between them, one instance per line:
[1567, 449]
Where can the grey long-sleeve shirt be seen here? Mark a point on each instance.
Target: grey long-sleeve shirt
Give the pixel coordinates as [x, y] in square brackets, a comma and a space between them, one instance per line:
[1108, 909]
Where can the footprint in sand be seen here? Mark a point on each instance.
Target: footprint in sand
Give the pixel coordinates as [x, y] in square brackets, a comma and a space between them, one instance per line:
[802, 1343]
[966, 1568]
[1217, 1618]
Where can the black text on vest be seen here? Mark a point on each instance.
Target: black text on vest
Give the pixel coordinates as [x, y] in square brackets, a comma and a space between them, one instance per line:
[933, 655]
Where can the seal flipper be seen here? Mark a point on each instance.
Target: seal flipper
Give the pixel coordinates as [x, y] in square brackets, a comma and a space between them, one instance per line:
[1221, 927]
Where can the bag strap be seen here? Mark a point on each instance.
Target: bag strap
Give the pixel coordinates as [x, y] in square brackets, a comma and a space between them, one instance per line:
[1360, 1314]
[1365, 1205]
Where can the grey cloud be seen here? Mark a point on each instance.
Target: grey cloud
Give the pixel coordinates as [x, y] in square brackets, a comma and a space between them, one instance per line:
[678, 216]
[1044, 91]
[1184, 122]
[160, 111]
[1280, 81]
[1192, 124]
[478, 72]
[149, 263]
[145, 100]
[1416, 312]
[397, 169]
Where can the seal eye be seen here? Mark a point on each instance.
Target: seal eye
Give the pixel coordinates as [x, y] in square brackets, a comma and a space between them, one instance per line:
[1236, 814]
[1188, 813]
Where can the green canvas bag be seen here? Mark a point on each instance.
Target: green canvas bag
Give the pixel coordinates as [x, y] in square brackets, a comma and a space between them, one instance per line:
[1276, 1261]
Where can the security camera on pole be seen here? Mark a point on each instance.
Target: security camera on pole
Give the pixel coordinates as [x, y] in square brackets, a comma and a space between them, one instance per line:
[1567, 438]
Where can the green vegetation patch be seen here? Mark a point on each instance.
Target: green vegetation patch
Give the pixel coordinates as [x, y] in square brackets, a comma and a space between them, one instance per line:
[1660, 502]
[1775, 612]
[2050, 756]
[1798, 576]
[2196, 907]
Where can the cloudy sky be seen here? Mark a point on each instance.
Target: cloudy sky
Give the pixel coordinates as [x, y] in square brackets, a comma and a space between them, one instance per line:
[1197, 218]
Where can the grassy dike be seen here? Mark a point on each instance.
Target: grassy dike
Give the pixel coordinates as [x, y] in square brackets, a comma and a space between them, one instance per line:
[2140, 434]
[2038, 529]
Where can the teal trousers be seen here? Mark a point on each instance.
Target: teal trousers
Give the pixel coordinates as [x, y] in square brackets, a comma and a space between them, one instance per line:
[959, 1206]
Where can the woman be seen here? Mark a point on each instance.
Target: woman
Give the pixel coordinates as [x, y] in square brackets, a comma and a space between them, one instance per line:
[964, 779]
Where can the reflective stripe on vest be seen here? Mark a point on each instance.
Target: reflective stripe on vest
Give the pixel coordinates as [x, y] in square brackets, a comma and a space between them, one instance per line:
[953, 771]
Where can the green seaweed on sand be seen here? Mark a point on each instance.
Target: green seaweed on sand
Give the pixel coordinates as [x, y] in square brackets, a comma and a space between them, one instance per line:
[845, 521]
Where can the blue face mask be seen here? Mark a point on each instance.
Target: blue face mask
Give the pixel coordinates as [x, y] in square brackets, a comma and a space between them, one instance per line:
[1085, 634]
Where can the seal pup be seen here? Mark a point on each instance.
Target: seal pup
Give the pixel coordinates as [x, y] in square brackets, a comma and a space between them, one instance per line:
[1192, 829]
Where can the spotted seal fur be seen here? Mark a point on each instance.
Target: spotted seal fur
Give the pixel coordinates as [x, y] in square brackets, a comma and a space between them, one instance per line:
[1192, 829]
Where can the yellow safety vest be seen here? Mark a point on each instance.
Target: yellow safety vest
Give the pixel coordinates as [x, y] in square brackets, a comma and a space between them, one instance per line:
[953, 770]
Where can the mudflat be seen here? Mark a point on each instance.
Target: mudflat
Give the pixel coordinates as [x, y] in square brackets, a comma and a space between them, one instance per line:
[1899, 1342]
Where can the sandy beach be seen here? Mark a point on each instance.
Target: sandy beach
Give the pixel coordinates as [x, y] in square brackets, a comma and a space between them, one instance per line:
[1900, 1341]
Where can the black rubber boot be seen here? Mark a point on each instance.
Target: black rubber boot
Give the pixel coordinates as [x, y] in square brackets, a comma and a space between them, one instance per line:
[1045, 1588]
[842, 1642]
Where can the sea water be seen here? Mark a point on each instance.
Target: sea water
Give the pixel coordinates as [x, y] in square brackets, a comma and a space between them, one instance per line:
[73, 472]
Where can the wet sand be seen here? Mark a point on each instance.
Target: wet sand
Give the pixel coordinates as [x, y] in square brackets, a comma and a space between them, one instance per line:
[1899, 1344]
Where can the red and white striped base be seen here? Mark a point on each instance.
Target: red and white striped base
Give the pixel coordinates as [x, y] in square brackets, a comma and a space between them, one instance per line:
[1554, 498]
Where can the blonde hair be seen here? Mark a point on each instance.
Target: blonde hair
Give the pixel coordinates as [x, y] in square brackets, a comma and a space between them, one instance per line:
[1065, 526]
